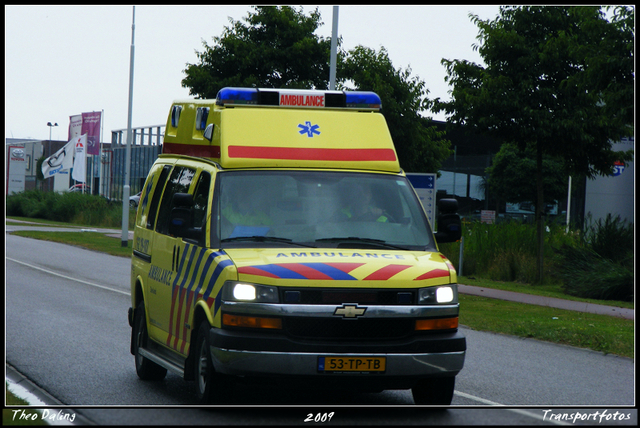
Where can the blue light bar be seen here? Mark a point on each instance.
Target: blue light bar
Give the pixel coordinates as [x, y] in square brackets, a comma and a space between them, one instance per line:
[363, 99]
[299, 98]
[237, 96]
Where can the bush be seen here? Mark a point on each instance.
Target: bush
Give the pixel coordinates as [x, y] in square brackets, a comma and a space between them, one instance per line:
[32, 203]
[508, 252]
[587, 274]
[70, 207]
[612, 238]
[601, 266]
[501, 252]
[512, 266]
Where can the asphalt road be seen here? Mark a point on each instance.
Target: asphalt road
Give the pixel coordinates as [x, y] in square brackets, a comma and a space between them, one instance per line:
[67, 331]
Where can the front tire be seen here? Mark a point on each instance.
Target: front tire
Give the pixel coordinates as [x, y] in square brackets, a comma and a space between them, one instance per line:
[435, 391]
[211, 387]
[146, 369]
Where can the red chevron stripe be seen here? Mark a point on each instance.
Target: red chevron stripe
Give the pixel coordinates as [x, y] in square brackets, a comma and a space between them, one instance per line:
[306, 271]
[250, 270]
[436, 273]
[345, 267]
[386, 272]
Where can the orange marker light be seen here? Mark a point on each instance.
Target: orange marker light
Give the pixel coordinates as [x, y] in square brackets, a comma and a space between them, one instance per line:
[251, 322]
[437, 324]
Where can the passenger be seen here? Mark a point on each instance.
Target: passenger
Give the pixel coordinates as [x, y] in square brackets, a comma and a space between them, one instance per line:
[361, 207]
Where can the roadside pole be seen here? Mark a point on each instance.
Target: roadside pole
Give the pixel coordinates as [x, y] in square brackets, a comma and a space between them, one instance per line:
[334, 50]
[127, 166]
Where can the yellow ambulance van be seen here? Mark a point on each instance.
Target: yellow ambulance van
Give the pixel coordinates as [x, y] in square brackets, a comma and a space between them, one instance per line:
[278, 240]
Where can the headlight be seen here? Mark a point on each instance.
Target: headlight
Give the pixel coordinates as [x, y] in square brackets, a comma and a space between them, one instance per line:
[444, 294]
[234, 291]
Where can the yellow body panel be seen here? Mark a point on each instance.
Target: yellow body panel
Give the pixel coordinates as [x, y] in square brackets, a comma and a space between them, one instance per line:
[305, 138]
[331, 267]
[270, 137]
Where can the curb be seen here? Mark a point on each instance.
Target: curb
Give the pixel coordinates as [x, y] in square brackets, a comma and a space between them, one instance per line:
[51, 410]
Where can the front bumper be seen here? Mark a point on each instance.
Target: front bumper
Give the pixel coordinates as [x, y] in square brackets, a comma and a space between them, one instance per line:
[259, 363]
[256, 355]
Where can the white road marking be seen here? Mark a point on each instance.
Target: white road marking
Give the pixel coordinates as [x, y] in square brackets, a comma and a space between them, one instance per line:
[126, 293]
[519, 411]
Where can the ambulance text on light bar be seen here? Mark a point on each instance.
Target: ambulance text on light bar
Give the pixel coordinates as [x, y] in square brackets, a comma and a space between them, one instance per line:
[360, 100]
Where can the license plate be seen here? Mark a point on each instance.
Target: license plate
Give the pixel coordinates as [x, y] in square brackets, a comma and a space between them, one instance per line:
[352, 364]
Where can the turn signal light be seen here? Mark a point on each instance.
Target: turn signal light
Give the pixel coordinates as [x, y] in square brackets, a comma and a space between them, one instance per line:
[437, 324]
[251, 322]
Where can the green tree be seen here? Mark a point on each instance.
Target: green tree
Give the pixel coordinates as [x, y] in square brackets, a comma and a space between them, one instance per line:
[558, 80]
[275, 48]
[511, 170]
[420, 146]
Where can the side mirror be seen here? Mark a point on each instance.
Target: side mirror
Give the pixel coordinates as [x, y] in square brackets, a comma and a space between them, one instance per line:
[181, 217]
[449, 224]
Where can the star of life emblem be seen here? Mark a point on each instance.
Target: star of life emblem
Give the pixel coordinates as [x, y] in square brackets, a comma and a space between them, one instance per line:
[309, 129]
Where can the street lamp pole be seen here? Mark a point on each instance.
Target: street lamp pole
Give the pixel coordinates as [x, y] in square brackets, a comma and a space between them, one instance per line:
[50, 126]
[127, 163]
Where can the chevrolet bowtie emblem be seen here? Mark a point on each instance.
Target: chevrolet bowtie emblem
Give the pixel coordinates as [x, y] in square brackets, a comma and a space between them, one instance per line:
[349, 311]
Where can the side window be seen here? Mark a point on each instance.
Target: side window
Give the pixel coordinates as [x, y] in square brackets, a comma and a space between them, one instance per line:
[141, 220]
[200, 199]
[155, 199]
[179, 182]
[215, 214]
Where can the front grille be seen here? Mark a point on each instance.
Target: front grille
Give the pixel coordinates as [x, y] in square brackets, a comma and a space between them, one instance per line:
[354, 329]
[339, 296]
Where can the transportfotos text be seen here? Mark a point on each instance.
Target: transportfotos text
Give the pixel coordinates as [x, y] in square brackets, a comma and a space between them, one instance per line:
[597, 416]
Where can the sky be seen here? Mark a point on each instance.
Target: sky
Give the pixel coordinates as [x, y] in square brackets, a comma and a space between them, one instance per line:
[62, 61]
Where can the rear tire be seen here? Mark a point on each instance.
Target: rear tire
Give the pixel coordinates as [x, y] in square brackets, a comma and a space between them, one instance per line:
[146, 369]
[211, 387]
[435, 391]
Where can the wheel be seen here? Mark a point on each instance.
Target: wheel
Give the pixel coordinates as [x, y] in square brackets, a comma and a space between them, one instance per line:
[436, 391]
[211, 387]
[145, 368]
[133, 205]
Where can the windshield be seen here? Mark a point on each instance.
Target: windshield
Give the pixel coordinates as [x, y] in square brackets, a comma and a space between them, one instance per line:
[319, 209]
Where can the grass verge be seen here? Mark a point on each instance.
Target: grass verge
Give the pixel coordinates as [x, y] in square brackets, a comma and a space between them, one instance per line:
[611, 335]
[90, 240]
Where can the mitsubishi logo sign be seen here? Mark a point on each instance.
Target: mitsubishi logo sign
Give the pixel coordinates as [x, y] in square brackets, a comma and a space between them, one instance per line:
[349, 311]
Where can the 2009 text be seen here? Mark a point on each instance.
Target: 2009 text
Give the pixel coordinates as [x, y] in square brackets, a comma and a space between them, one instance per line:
[319, 417]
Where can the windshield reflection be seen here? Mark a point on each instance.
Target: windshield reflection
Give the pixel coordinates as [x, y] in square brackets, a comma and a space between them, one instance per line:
[325, 209]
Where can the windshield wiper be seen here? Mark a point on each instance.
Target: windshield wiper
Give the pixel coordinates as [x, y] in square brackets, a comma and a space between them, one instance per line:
[355, 239]
[261, 238]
